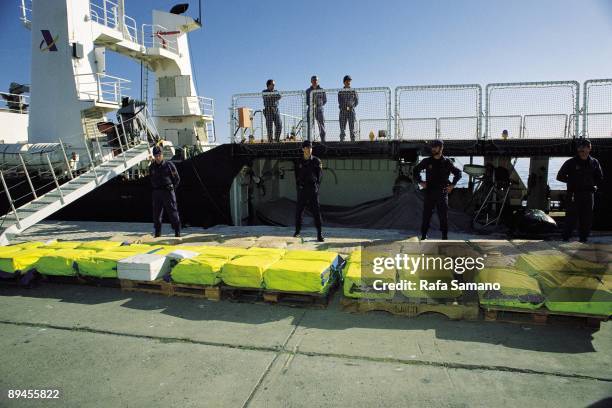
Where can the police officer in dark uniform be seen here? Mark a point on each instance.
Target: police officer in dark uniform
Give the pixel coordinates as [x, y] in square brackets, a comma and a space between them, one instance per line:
[583, 175]
[320, 99]
[347, 102]
[164, 180]
[436, 186]
[271, 98]
[308, 172]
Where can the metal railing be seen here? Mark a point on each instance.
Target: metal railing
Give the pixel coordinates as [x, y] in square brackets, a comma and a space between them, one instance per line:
[207, 106]
[183, 105]
[291, 108]
[101, 87]
[597, 108]
[104, 12]
[25, 9]
[17, 103]
[440, 105]
[373, 108]
[551, 104]
[33, 172]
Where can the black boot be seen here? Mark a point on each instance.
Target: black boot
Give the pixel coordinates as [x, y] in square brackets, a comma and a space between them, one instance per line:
[296, 234]
[444, 236]
[157, 233]
[320, 237]
[177, 233]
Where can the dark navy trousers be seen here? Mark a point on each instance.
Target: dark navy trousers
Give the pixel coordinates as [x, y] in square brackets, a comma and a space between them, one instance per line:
[165, 201]
[435, 199]
[273, 121]
[307, 198]
[579, 211]
[347, 116]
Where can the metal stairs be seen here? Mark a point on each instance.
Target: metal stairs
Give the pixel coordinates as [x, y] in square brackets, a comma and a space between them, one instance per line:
[21, 218]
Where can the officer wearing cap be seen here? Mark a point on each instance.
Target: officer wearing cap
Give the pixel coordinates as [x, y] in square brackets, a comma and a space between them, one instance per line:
[319, 101]
[308, 172]
[164, 180]
[583, 175]
[347, 102]
[271, 99]
[436, 186]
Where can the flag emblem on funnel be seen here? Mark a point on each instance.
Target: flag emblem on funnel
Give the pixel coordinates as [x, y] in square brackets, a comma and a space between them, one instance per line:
[49, 41]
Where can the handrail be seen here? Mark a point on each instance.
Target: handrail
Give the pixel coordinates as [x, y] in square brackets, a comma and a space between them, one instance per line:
[17, 103]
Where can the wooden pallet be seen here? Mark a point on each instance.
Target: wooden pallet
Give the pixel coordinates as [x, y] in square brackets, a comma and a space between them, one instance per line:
[255, 295]
[454, 310]
[161, 287]
[82, 280]
[540, 316]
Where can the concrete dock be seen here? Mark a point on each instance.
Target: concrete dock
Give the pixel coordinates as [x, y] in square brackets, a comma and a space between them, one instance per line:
[104, 347]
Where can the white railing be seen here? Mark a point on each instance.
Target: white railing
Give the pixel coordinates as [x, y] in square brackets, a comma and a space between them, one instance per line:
[17, 103]
[104, 12]
[183, 105]
[26, 12]
[101, 87]
[157, 36]
[129, 27]
[207, 106]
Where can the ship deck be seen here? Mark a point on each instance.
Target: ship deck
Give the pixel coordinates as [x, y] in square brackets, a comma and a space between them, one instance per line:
[396, 149]
[168, 349]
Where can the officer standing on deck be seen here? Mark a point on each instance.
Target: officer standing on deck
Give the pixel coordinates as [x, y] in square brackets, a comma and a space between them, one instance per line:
[320, 99]
[164, 180]
[347, 102]
[583, 175]
[308, 172]
[436, 186]
[271, 98]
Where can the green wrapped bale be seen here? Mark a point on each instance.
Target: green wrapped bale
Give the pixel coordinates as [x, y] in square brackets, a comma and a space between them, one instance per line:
[21, 260]
[62, 263]
[201, 270]
[517, 289]
[296, 275]
[102, 264]
[360, 283]
[247, 271]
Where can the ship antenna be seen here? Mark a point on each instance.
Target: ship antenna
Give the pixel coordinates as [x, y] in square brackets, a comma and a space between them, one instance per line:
[199, 20]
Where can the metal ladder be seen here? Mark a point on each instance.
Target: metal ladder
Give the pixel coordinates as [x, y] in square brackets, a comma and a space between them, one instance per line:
[20, 218]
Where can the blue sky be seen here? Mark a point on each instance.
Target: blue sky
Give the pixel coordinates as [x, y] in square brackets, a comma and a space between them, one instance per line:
[380, 43]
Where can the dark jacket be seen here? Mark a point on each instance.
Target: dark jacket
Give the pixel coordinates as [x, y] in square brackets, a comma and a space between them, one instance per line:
[308, 173]
[271, 100]
[164, 176]
[437, 172]
[320, 98]
[347, 98]
[581, 175]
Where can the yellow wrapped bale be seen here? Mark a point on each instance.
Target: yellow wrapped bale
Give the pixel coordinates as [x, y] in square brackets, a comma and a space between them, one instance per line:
[332, 258]
[517, 288]
[137, 248]
[360, 283]
[102, 264]
[296, 275]
[62, 262]
[29, 245]
[201, 270]
[424, 283]
[63, 245]
[573, 293]
[274, 252]
[99, 245]
[247, 271]
[22, 260]
[534, 263]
